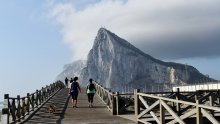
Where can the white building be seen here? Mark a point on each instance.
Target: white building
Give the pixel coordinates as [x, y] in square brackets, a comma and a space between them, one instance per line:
[206, 86]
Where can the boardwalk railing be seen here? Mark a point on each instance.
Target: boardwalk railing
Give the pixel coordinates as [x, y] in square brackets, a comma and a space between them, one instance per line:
[20, 108]
[116, 103]
[106, 95]
[176, 108]
[166, 107]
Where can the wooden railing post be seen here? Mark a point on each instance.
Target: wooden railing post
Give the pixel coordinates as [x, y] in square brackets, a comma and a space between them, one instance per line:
[218, 99]
[18, 114]
[173, 103]
[198, 113]
[117, 102]
[5, 110]
[177, 98]
[28, 104]
[113, 104]
[211, 102]
[162, 113]
[37, 98]
[102, 94]
[136, 102]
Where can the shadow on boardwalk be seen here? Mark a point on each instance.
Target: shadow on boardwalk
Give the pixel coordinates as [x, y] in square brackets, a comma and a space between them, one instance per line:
[99, 114]
[60, 100]
[66, 114]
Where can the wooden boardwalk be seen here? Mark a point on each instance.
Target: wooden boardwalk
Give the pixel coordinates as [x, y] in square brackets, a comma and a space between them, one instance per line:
[65, 114]
[162, 107]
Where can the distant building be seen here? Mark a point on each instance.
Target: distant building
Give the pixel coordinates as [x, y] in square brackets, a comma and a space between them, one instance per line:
[206, 86]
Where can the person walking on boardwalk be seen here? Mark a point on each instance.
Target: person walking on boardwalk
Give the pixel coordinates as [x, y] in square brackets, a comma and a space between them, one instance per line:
[75, 88]
[90, 90]
[71, 80]
[66, 82]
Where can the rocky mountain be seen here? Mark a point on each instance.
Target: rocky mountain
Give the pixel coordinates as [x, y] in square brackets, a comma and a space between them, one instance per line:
[71, 70]
[118, 65]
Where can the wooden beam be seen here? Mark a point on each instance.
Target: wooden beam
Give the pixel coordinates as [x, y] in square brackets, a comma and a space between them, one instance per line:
[186, 115]
[177, 118]
[198, 113]
[177, 98]
[143, 121]
[181, 101]
[162, 113]
[209, 116]
[148, 109]
[136, 103]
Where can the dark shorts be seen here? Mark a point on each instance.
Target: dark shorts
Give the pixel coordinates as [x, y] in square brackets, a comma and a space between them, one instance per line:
[74, 96]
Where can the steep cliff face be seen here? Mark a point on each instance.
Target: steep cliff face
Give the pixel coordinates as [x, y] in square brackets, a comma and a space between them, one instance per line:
[117, 64]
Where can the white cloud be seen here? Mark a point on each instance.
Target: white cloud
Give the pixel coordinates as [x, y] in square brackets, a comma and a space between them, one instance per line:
[158, 27]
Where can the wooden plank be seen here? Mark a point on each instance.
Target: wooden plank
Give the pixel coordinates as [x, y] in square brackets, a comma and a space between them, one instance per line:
[162, 113]
[178, 119]
[205, 97]
[167, 99]
[148, 109]
[152, 106]
[144, 121]
[209, 116]
[66, 114]
[209, 107]
[99, 114]
[181, 101]
[136, 103]
[186, 115]
[199, 119]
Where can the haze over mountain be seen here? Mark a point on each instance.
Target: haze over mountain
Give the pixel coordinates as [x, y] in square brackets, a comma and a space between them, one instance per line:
[116, 64]
[73, 69]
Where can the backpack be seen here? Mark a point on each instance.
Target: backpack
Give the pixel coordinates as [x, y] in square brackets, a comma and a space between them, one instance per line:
[74, 86]
[91, 87]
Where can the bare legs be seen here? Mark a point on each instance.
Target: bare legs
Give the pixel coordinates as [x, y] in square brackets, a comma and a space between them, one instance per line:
[74, 103]
[74, 100]
[90, 99]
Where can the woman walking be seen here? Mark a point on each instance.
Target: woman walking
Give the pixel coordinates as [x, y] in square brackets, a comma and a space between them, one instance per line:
[90, 90]
[75, 88]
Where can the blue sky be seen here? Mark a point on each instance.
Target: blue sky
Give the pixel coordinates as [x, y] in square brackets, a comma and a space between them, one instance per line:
[31, 49]
[37, 37]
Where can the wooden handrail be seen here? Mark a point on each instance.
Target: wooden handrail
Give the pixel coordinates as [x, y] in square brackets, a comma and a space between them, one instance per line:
[180, 105]
[186, 109]
[106, 96]
[19, 108]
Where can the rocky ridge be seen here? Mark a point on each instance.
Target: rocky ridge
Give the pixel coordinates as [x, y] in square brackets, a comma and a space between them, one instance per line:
[119, 65]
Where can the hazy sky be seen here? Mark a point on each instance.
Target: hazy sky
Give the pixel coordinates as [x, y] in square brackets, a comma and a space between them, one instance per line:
[37, 37]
